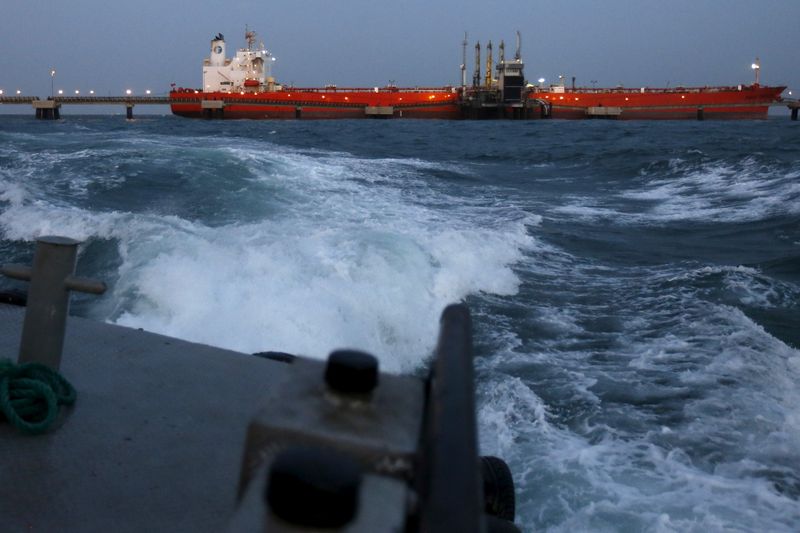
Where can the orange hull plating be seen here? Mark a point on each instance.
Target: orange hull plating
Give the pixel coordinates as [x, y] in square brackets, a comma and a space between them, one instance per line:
[680, 103]
[319, 104]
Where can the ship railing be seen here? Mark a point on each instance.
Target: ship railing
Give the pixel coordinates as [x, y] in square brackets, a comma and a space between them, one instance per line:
[445, 89]
[649, 90]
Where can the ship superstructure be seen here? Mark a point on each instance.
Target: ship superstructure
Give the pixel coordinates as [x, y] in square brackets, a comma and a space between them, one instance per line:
[249, 70]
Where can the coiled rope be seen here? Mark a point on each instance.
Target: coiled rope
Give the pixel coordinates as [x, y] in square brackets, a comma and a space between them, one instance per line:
[30, 395]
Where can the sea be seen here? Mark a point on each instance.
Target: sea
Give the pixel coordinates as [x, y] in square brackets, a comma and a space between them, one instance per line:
[634, 286]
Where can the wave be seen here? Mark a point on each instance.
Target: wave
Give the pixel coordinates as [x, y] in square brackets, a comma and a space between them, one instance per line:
[343, 252]
[707, 191]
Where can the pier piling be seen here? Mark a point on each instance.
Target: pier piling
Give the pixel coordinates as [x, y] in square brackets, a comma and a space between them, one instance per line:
[47, 109]
[129, 111]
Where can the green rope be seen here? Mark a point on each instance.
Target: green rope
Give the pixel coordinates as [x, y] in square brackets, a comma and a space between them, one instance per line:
[30, 394]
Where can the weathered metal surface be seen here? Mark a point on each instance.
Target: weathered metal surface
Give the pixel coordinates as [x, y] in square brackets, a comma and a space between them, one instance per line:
[153, 443]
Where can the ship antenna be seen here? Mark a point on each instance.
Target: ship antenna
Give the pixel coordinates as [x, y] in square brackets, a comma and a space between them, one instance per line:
[518, 54]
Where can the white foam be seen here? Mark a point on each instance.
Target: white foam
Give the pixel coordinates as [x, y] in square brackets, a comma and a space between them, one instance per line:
[740, 191]
[348, 262]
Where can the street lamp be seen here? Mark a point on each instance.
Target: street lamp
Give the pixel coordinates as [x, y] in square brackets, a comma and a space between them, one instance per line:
[128, 92]
[52, 80]
[757, 67]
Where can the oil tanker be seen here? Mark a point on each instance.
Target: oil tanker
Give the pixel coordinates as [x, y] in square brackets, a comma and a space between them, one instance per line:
[243, 87]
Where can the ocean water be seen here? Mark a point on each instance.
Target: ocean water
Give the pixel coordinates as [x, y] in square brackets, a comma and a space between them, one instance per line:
[635, 286]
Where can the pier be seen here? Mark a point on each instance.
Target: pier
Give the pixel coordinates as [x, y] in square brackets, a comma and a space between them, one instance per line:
[793, 106]
[50, 108]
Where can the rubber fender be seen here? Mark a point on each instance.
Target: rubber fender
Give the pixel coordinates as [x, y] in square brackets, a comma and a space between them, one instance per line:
[498, 488]
[14, 297]
[496, 525]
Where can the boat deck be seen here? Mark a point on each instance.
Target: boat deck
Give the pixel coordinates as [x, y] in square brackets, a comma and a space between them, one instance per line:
[153, 443]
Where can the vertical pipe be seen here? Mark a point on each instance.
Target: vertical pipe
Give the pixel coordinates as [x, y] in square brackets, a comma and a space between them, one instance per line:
[129, 111]
[476, 77]
[489, 59]
[464, 65]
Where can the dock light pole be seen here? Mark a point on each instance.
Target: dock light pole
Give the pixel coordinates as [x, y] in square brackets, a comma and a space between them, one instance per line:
[757, 67]
[52, 82]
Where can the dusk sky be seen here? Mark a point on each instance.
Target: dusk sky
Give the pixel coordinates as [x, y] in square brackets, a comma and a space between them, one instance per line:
[148, 44]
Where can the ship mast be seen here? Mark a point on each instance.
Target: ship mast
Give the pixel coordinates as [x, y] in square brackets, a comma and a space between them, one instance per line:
[250, 38]
[518, 54]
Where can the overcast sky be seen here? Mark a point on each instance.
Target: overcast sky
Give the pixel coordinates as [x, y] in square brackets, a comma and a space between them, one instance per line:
[110, 46]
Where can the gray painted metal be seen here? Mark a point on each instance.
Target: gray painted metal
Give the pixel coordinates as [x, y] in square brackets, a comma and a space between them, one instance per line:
[380, 430]
[48, 298]
[382, 507]
[451, 487]
[153, 443]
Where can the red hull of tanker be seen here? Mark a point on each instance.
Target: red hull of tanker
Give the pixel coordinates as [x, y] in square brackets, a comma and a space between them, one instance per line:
[745, 102]
[319, 104]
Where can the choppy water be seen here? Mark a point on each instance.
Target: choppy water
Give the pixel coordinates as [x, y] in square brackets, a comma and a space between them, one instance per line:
[635, 287]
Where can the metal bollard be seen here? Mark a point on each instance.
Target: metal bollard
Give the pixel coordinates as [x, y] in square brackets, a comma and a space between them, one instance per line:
[51, 280]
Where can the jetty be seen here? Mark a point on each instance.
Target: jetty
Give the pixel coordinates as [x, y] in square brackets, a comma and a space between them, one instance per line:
[50, 108]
